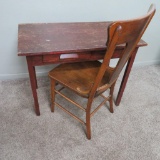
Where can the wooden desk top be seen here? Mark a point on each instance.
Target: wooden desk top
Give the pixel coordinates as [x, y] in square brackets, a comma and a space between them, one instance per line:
[57, 38]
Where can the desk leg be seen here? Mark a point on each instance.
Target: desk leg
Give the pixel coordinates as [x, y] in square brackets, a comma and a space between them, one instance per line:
[35, 77]
[125, 77]
[33, 81]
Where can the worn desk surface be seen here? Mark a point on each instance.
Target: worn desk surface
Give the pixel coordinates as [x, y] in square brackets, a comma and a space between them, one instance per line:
[46, 43]
[54, 38]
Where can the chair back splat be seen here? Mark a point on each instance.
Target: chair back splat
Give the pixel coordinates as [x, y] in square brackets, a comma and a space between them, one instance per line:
[90, 79]
[128, 33]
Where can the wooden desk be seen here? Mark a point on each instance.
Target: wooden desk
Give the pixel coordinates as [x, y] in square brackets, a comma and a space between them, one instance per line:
[48, 43]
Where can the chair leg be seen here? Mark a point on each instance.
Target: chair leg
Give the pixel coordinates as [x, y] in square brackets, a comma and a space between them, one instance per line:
[88, 119]
[52, 94]
[111, 97]
[88, 126]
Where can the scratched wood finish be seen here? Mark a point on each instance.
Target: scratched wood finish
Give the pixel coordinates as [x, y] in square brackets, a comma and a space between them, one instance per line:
[57, 38]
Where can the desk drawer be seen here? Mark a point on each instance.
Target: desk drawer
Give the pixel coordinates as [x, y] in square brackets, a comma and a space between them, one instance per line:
[71, 57]
[51, 58]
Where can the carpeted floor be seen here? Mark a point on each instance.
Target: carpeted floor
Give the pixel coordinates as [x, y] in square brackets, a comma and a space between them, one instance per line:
[132, 132]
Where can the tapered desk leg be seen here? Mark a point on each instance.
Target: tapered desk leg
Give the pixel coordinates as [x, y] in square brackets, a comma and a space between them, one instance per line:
[125, 77]
[33, 81]
[35, 77]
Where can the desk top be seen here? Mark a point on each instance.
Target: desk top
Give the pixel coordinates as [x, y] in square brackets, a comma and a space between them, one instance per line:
[57, 38]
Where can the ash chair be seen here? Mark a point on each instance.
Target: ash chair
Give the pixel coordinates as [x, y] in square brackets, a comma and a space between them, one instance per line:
[90, 79]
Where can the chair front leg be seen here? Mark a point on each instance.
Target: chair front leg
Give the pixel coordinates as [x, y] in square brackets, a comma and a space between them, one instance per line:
[52, 94]
[111, 97]
[88, 125]
[88, 118]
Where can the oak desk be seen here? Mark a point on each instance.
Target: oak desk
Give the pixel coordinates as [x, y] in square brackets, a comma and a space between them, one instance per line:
[48, 43]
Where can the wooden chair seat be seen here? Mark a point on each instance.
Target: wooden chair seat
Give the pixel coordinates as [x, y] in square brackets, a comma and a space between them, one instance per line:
[80, 76]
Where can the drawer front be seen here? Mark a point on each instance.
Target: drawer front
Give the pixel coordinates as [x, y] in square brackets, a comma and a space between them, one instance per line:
[50, 58]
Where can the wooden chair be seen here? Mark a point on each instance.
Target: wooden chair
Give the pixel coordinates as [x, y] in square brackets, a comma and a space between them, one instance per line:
[90, 79]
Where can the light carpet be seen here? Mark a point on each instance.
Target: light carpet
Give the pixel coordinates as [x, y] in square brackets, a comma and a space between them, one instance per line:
[132, 132]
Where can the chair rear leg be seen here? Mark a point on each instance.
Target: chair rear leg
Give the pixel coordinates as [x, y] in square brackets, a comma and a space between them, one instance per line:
[88, 118]
[52, 94]
[111, 97]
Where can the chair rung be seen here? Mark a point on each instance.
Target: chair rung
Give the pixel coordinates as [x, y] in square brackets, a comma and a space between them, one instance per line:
[61, 89]
[70, 100]
[106, 99]
[105, 96]
[72, 115]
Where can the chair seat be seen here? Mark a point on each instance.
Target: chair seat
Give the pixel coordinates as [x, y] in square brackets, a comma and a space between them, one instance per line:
[78, 76]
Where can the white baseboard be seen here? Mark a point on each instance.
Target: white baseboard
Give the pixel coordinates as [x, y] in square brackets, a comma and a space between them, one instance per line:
[45, 73]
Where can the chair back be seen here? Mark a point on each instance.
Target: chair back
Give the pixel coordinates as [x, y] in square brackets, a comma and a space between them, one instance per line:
[127, 32]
